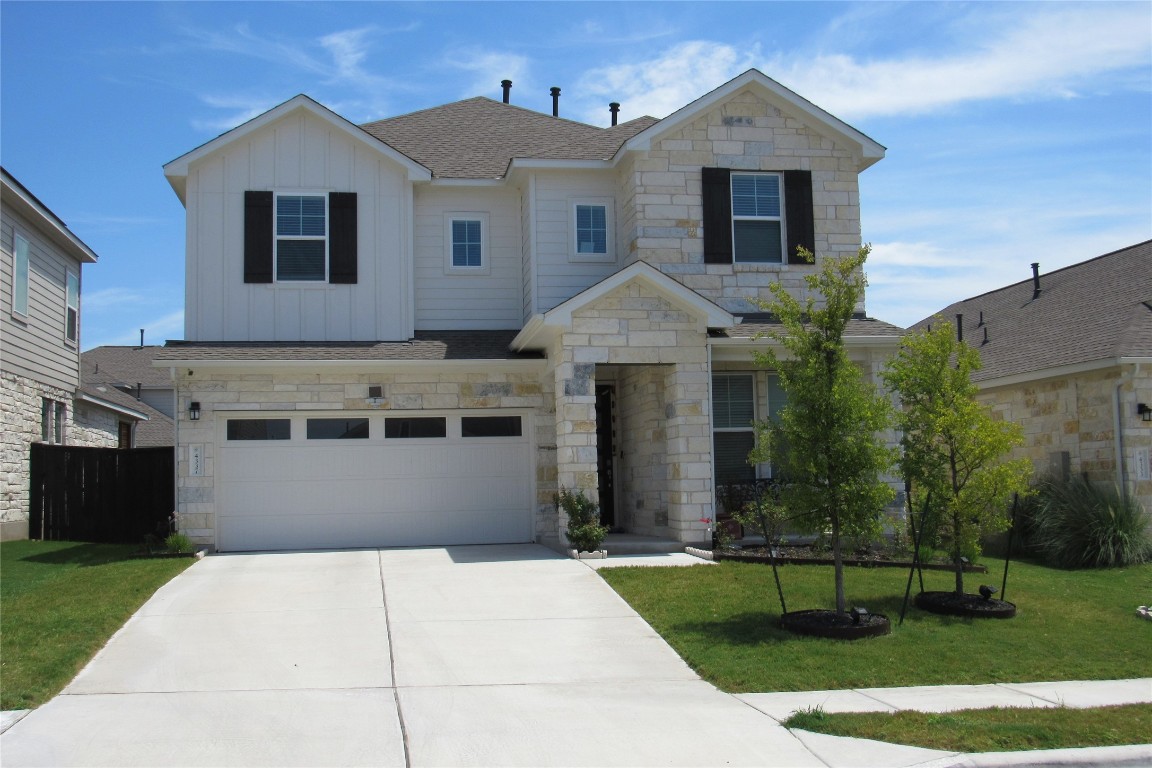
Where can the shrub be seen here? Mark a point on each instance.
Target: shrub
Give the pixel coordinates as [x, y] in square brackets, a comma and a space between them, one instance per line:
[178, 542]
[585, 532]
[1078, 524]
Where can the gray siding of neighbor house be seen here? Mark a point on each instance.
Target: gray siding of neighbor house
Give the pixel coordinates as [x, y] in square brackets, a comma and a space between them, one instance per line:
[34, 346]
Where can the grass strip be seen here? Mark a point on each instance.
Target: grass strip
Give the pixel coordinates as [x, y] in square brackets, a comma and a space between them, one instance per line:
[723, 620]
[60, 602]
[989, 730]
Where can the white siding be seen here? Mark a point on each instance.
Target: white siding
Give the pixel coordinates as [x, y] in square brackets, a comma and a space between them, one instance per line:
[300, 152]
[559, 277]
[34, 346]
[490, 299]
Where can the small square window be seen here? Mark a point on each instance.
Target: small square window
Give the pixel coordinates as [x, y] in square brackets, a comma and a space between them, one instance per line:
[590, 234]
[467, 249]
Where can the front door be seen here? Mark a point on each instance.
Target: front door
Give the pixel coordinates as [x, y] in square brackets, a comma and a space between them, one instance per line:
[606, 452]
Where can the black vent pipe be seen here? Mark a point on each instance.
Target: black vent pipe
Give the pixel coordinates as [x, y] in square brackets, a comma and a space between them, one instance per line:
[614, 108]
[507, 86]
[555, 101]
[1035, 280]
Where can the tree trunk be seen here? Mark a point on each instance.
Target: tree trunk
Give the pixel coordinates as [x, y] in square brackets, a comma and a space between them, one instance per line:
[838, 560]
[956, 523]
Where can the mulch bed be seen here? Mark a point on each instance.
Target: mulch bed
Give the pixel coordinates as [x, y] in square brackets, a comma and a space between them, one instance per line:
[835, 625]
[808, 556]
[966, 605]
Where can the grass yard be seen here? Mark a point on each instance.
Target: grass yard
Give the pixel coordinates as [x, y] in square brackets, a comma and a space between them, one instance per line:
[990, 730]
[722, 619]
[59, 603]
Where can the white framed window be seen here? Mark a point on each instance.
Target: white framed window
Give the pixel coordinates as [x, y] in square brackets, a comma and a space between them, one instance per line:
[591, 230]
[301, 237]
[758, 235]
[20, 257]
[466, 235]
[733, 434]
[72, 308]
[53, 419]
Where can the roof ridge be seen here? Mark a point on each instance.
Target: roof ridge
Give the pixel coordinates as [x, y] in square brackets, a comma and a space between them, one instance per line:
[482, 99]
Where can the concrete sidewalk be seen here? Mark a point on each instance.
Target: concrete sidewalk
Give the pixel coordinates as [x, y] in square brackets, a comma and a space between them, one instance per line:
[500, 655]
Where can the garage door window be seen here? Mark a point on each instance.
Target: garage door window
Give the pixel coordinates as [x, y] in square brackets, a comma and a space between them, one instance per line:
[415, 428]
[337, 429]
[259, 429]
[490, 426]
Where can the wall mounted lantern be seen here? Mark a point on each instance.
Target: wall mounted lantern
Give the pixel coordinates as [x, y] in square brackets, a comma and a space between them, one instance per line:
[194, 411]
[1144, 411]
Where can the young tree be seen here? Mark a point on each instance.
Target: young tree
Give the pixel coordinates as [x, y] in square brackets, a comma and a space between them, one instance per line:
[827, 442]
[953, 448]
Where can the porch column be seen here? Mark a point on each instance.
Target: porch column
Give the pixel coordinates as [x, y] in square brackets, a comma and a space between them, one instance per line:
[689, 450]
[575, 429]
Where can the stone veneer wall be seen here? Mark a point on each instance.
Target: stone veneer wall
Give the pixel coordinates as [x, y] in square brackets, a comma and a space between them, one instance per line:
[222, 392]
[661, 210]
[21, 403]
[95, 427]
[1076, 415]
[634, 326]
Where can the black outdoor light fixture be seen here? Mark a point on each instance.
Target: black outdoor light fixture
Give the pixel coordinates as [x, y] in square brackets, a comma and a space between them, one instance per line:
[859, 615]
[1144, 411]
[194, 410]
[986, 591]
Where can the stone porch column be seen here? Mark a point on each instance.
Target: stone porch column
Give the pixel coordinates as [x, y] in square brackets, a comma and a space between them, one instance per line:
[576, 466]
[689, 450]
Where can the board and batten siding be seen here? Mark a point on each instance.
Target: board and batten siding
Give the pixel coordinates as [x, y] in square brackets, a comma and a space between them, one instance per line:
[490, 299]
[559, 276]
[34, 346]
[299, 153]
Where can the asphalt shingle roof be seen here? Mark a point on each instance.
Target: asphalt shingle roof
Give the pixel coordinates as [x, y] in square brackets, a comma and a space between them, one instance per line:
[157, 431]
[1096, 310]
[757, 325]
[425, 346]
[476, 138]
[123, 366]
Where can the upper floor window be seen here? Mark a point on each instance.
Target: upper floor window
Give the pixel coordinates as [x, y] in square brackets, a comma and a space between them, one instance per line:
[591, 225]
[756, 218]
[467, 237]
[20, 276]
[301, 238]
[72, 308]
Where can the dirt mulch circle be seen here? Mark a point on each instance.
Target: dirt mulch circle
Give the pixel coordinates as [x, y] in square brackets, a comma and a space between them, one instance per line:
[966, 605]
[835, 625]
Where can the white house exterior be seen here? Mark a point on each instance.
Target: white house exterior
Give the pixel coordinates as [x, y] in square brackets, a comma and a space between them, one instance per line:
[41, 399]
[413, 332]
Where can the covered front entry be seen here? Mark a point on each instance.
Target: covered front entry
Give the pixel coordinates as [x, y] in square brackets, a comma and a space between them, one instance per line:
[323, 480]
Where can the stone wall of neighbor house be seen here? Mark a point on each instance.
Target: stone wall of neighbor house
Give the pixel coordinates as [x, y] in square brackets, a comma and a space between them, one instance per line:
[21, 418]
[661, 207]
[96, 427]
[1070, 422]
[221, 392]
[635, 326]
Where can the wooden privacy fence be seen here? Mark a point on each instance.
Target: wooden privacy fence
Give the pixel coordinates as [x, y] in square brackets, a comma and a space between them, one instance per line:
[104, 495]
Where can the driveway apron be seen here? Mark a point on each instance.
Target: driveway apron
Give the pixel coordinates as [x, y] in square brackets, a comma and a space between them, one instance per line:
[494, 655]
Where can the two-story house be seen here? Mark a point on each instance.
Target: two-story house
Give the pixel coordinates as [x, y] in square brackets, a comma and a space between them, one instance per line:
[41, 397]
[415, 331]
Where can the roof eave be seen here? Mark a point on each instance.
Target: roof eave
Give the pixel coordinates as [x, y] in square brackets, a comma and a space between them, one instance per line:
[84, 397]
[30, 205]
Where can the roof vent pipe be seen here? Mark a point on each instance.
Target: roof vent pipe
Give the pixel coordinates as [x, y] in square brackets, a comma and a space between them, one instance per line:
[1035, 279]
[959, 327]
[507, 86]
[555, 91]
[614, 108]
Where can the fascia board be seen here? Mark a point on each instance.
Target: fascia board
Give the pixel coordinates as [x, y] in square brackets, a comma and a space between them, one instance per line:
[357, 366]
[533, 163]
[177, 169]
[1057, 372]
[28, 204]
[727, 348]
[468, 183]
[111, 406]
[870, 151]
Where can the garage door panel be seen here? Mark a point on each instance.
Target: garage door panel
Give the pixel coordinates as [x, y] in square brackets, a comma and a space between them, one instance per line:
[344, 493]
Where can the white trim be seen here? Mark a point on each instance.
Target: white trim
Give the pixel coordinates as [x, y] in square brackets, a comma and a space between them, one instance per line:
[371, 366]
[485, 268]
[326, 238]
[176, 171]
[781, 219]
[1062, 370]
[86, 398]
[69, 274]
[574, 253]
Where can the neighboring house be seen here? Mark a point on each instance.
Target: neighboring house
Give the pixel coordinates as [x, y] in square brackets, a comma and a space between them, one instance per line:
[126, 375]
[416, 330]
[1068, 356]
[40, 325]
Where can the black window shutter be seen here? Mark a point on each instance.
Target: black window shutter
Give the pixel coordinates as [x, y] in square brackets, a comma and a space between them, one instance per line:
[716, 190]
[342, 237]
[798, 213]
[258, 237]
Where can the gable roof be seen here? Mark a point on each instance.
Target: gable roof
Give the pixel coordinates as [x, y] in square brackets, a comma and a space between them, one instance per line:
[1097, 311]
[153, 428]
[123, 367]
[16, 196]
[176, 170]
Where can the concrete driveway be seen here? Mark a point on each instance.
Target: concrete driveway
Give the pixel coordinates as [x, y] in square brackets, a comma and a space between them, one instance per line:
[496, 655]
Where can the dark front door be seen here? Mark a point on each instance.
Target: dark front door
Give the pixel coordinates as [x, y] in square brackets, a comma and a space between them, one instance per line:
[606, 451]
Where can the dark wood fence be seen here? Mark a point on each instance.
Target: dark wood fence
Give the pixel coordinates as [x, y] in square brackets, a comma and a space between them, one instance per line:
[104, 495]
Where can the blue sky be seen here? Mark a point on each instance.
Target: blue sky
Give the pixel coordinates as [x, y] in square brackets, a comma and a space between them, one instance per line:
[1016, 132]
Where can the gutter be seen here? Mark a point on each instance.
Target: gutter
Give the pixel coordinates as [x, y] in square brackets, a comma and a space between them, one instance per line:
[139, 415]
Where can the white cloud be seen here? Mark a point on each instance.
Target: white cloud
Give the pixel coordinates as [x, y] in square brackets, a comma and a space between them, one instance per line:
[240, 108]
[157, 330]
[487, 68]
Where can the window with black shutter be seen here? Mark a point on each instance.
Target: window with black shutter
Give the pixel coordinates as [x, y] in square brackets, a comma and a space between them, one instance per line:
[300, 237]
[756, 217]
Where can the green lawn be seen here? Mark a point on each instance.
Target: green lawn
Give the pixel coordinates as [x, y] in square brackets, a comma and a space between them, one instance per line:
[722, 619]
[59, 603]
[990, 730]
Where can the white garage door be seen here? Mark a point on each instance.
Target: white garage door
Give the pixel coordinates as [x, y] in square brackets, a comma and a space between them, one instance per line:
[322, 481]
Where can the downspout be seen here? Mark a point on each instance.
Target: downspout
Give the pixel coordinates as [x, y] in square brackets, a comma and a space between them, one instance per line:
[1118, 429]
[176, 442]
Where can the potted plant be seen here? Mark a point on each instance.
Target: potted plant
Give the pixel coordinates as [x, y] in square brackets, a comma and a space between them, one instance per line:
[585, 533]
